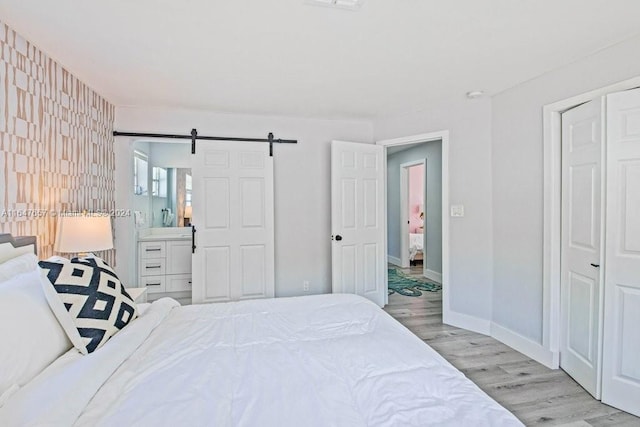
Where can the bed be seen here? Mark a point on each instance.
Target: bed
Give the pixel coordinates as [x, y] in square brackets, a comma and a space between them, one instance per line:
[416, 246]
[325, 360]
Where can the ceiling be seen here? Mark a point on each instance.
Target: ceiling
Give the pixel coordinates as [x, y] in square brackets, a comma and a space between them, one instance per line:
[286, 57]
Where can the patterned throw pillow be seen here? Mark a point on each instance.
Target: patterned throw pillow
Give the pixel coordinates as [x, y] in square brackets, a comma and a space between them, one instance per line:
[88, 300]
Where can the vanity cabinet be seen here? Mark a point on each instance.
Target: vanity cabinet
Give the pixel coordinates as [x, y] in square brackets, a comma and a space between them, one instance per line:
[164, 268]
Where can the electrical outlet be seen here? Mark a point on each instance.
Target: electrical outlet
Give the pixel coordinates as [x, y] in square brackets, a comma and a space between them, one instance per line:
[305, 286]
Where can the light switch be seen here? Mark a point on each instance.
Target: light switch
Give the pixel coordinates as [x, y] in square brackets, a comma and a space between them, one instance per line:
[457, 210]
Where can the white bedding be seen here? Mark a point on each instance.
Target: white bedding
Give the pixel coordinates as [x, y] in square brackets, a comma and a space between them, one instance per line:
[327, 360]
[416, 244]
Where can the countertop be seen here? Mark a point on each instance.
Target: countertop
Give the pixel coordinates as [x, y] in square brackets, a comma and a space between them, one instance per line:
[168, 233]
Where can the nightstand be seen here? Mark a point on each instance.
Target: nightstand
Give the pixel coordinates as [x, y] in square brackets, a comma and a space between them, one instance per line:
[138, 294]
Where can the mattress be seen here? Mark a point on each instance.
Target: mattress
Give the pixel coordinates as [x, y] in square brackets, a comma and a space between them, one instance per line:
[326, 360]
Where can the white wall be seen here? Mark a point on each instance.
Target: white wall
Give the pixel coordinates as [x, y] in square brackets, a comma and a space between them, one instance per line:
[469, 123]
[518, 179]
[302, 187]
[171, 155]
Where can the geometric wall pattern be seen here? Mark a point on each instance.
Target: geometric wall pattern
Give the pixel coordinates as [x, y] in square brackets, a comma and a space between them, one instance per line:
[56, 144]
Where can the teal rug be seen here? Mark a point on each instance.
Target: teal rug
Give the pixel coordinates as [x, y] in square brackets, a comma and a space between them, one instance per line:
[409, 286]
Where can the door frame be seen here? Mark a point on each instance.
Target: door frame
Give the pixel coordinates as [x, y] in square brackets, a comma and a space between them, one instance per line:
[443, 136]
[126, 232]
[552, 212]
[404, 210]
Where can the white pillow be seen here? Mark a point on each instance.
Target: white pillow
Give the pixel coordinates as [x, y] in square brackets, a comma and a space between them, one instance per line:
[30, 335]
[18, 265]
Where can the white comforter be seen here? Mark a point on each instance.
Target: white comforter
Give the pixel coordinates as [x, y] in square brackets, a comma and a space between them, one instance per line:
[416, 244]
[329, 360]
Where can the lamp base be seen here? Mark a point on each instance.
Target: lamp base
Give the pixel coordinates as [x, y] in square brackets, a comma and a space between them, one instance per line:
[86, 254]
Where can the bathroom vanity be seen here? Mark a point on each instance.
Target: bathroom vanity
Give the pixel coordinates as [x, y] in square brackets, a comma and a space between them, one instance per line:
[164, 263]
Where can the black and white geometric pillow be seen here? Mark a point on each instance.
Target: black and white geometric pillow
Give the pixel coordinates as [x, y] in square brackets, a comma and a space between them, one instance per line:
[88, 300]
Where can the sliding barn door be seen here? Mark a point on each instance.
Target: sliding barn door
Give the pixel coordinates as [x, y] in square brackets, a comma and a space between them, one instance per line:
[357, 220]
[621, 356]
[581, 293]
[233, 215]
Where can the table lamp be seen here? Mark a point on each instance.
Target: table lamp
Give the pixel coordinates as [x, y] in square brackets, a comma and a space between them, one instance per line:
[83, 233]
[188, 212]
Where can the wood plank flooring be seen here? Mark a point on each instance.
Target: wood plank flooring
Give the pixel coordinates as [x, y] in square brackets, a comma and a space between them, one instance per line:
[535, 394]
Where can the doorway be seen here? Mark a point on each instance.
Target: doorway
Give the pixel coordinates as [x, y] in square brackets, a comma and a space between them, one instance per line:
[414, 207]
[413, 188]
[438, 210]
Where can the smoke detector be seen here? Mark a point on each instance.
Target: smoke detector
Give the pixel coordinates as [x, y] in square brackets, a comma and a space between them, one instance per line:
[475, 94]
[340, 4]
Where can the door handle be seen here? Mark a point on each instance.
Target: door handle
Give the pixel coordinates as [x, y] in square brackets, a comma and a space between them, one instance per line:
[338, 237]
[193, 239]
[595, 265]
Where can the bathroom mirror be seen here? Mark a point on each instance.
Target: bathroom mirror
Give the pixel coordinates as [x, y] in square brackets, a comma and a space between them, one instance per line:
[171, 197]
[162, 184]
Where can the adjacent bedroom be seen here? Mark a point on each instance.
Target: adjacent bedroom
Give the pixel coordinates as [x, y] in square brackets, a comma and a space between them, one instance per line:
[319, 213]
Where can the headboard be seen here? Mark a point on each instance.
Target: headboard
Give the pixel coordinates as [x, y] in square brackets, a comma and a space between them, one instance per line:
[11, 247]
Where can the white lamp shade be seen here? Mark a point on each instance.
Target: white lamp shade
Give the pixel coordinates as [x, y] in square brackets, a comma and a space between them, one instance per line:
[83, 233]
[188, 211]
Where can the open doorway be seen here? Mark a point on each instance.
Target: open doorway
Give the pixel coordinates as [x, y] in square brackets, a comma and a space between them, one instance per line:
[412, 196]
[414, 208]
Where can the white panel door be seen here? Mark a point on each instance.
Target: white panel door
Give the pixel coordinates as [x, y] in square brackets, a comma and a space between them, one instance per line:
[621, 358]
[357, 220]
[581, 293]
[233, 215]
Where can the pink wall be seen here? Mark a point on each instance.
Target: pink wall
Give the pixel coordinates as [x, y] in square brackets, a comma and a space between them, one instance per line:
[416, 197]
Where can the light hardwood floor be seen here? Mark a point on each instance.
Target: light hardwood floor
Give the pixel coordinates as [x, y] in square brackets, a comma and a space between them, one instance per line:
[535, 394]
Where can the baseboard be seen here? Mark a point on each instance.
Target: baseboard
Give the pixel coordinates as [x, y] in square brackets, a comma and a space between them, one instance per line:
[465, 321]
[525, 346]
[433, 275]
[395, 261]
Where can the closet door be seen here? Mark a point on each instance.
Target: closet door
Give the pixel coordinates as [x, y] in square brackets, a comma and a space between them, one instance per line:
[581, 293]
[621, 356]
[233, 213]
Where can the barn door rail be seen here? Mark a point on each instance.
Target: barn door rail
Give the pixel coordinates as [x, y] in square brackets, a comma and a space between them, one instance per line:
[193, 136]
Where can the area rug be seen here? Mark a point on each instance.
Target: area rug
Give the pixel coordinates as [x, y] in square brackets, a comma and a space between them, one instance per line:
[409, 286]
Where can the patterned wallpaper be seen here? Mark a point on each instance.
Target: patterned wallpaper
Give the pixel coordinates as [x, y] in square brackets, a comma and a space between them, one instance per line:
[56, 146]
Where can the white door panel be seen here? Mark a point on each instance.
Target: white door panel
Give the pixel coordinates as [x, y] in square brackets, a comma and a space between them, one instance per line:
[621, 356]
[233, 215]
[357, 212]
[581, 228]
